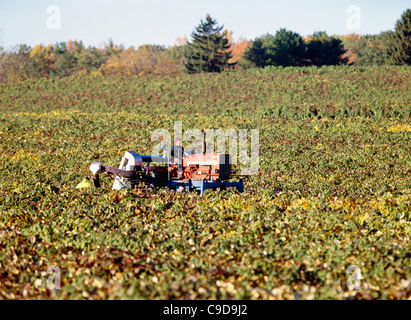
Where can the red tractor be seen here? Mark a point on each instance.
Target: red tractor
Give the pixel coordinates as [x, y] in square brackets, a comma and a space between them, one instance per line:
[200, 171]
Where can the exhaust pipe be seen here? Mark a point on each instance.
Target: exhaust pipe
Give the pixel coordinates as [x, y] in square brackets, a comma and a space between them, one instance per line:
[203, 145]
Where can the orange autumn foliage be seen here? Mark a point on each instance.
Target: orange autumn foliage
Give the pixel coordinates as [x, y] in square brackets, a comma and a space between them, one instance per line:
[145, 60]
[237, 47]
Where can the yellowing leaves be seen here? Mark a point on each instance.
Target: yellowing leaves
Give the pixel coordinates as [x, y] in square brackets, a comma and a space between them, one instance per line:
[45, 52]
[23, 155]
[229, 234]
[85, 184]
[302, 203]
[349, 205]
[234, 202]
[17, 190]
[60, 114]
[400, 128]
[362, 218]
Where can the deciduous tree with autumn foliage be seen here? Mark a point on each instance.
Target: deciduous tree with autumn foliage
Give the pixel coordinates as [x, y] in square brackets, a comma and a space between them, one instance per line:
[145, 60]
[238, 49]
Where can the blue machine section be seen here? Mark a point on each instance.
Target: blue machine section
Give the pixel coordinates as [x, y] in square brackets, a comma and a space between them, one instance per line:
[203, 185]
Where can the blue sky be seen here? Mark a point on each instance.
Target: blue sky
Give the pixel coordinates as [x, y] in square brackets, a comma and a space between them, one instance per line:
[133, 23]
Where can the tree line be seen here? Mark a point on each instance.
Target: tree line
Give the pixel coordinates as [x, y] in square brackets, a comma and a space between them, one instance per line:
[211, 49]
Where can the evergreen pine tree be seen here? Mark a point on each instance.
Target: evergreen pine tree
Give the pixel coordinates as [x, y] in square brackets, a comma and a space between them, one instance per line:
[209, 50]
[324, 50]
[285, 48]
[399, 48]
[257, 52]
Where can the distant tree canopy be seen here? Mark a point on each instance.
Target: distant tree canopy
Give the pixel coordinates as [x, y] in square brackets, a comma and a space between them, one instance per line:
[179, 53]
[287, 48]
[369, 49]
[209, 50]
[59, 60]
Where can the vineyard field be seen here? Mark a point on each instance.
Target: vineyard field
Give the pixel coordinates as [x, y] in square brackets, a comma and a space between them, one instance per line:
[333, 189]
